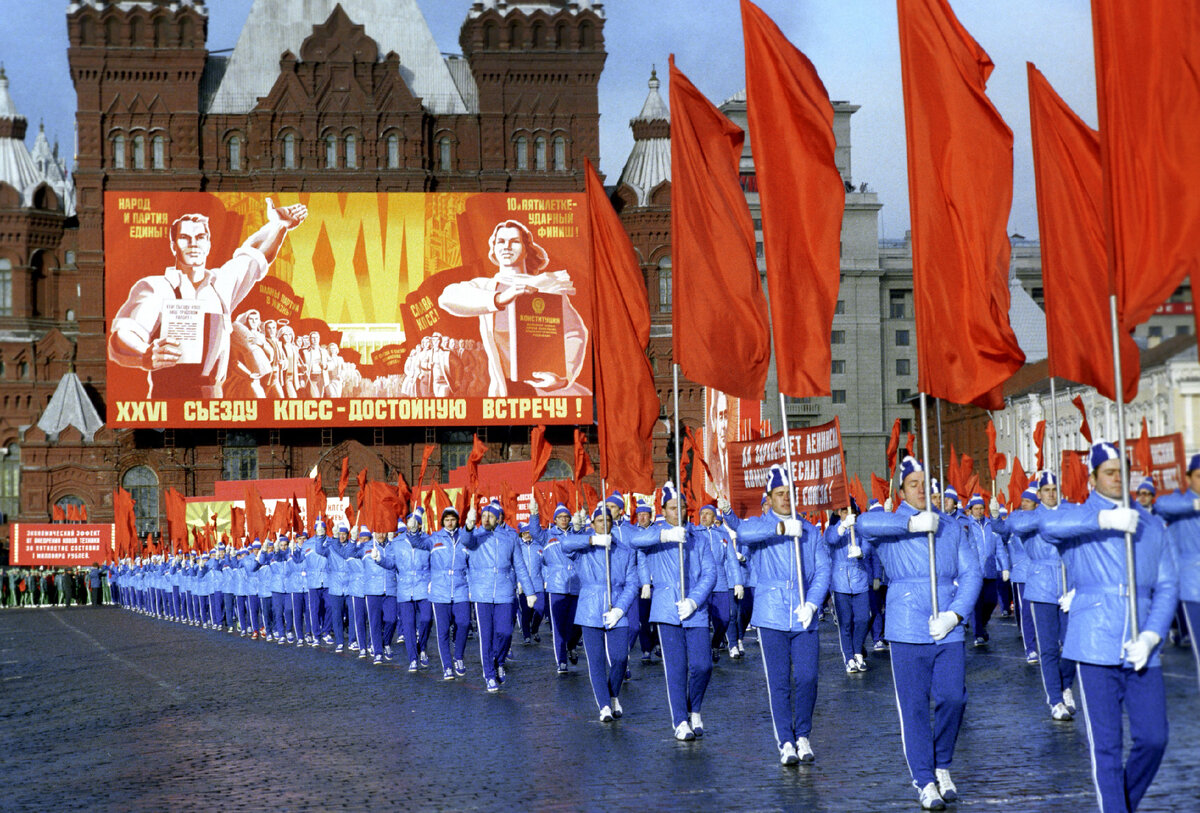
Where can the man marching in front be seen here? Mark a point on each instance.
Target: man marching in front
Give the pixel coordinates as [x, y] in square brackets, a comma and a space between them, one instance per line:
[1117, 669]
[927, 652]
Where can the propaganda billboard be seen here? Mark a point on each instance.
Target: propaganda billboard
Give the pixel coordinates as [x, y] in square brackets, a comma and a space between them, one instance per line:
[61, 545]
[347, 309]
[818, 469]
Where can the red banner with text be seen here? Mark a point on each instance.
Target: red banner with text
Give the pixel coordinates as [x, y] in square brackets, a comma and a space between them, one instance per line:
[60, 545]
[351, 309]
[818, 469]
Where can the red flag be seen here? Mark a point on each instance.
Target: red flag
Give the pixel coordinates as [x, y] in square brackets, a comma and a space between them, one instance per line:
[314, 500]
[428, 453]
[1084, 429]
[953, 472]
[960, 192]
[803, 197]
[1039, 439]
[257, 526]
[590, 496]
[237, 524]
[1017, 482]
[583, 461]
[1066, 160]
[441, 499]
[858, 493]
[966, 471]
[478, 450]
[427, 501]
[125, 521]
[176, 518]
[997, 462]
[297, 518]
[713, 251]
[384, 509]
[539, 452]
[403, 494]
[1075, 477]
[908, 446]
[57, 514]
[1141, 449]
[83, 513]
[893, 447]
[72, 513]
[508, 501]
[360, 499]
[461, 502]
[545, 503]
[344, 478]
[565, 495]
[351, 519]
[694, 469]
[880, 489]
[1147, 86]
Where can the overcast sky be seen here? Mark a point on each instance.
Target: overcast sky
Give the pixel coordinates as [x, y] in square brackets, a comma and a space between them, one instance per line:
[853, 44]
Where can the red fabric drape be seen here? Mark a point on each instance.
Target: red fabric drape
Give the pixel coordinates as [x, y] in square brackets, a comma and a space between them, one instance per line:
[539, 452]
[1084, 428]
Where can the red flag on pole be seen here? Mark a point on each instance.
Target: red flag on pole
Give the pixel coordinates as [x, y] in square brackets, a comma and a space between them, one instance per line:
[314, 500]
[57, 514]
[1141, 449]
[893, 447]
[257, 526]
[1084, 428]
[176, 518]
[960, 192]
[508, 501]
[713, 251]
[858, 493]
[344, 478]
[1017, 482]
[626, 402]
[1039, 439]
[880, 489]
[997, 462]
[539, 452]
[908, 445]
[83, 513]
[1075, 477]
[583, 461]
[360, 499]
[403, 493]
[478, 450]
[126, 522]
[1147, 64]
[803, 197]
[1066, 162]
[425, 455]
[237, 524]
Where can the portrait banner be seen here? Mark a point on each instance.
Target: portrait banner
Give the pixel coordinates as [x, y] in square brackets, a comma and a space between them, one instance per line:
[348, 309]
[59, 545]
[727, 419]
[818, 469]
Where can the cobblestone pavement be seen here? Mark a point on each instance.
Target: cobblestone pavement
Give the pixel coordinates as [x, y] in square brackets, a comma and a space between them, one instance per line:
[106, 709]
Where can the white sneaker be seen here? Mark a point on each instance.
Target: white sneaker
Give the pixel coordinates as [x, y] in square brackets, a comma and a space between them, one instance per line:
[1069, 699]
[945, 784]
[683, 732]
[787, 754]
[930, 798]
[606, 715]
[804, 750]
[616, 707]
[851, 667]
[697, 724]
[861, 661]
[1061, 713]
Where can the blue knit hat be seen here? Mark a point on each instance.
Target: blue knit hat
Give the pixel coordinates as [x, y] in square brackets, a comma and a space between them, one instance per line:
[777, 477]
[1047, 478]
[561, 509]
[976, 499]
[1103, 452]
[616, 499]
[909, 465]
[1147, 485]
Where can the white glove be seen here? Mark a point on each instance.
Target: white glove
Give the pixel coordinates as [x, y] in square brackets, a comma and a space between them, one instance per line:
[888, 504]
[943, 624]
[375, 554]
[646, 591]
[530, 600]
[994, 507]
[675, 534]
[789, 527]
[579, 519]
[1064, 603]
[1004, 574]
[685, 608]
[854, 552]
[471, 516]
[612, 617]
[1137, 652]
[732, 533]
[805, 613]
[1196, 505]
[723, 506]
[602, 540]
[1118, 519]
[846, 524]
[738, 592]
[923, 523]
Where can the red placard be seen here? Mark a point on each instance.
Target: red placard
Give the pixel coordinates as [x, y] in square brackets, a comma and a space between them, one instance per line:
[1167, 464]
[61, 545]
[354, 309]
[818, 469]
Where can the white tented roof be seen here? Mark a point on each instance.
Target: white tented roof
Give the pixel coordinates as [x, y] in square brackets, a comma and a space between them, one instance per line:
[649, 162]
[70, 406]
[1027, 320]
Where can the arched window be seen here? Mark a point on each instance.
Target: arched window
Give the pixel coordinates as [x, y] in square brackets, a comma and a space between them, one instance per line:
[185, 32]
[664, 285]
[539, 34]
[557, 470]
[162, 34]
[239, 457]
[393, 151]
[87, 31]
[112, 31]
[72, 502]
[10, 482]
[139, 152]
[522, 145]
[289, 151]
[142, 484]
[158, 152]
[235, 154]
[560, 153]
[118, 152]
[330, 152]
[137, 30]
[6, 281]
[351, 152]
[539, 154]
[444, 154]
[491, 36]
[587, 35]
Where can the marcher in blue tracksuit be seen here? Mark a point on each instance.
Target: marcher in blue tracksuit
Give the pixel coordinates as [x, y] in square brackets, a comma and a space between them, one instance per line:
[336, 552]
[745, 605]
[1181, 511]
[993, 562]
[877, 595]
[1117, 669]
[448, 592]
[1044, 590]
[266, 596]
[296, 586]
[531, 617]
[729, 577]
[356, 591]
[647, 635]
[495, 567]
[375, 589]
[562, 585]
[251, 566]
[281, 605]
[314, 567]
[1019, 558]
[851, 586]
[409, 555]
[681, 616]
[603, 607]
[926, 649]
[785, 610]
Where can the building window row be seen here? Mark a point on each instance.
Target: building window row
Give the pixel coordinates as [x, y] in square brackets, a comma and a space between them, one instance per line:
[541, 157]
[341, 152]
[131, 152]
[6, 282]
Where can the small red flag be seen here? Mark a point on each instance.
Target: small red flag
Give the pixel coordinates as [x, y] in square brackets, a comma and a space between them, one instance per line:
[344, 478]
[881, 489]
[1141, 450]
[237, 524]
[404, 494]
[1039, 439]
[893, 447]
[1084, 429]
[1075, 477]
[908, 446]
[478, 450]
[539, 452]
[997, 462]
[583, 461]
[428, 453]
[508, 501]
[1017, 483]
